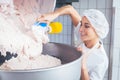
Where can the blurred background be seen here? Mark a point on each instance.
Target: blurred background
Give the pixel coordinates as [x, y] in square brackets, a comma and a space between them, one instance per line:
[111, 9]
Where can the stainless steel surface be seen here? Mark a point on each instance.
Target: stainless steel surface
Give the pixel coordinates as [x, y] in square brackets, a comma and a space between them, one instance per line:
[69, 70]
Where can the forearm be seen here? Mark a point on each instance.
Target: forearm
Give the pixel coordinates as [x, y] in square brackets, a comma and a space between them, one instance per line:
[69, 10]
[84, 72]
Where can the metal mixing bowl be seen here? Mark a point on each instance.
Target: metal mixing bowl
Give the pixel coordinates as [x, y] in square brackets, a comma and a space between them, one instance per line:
[69, 70]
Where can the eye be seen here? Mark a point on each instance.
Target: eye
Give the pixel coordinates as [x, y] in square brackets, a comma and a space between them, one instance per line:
[87, 25]
[80, 24]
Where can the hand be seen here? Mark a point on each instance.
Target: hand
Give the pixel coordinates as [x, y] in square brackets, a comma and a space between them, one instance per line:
[47, 17]
[84, 70]
[84, 56]
[79, 48]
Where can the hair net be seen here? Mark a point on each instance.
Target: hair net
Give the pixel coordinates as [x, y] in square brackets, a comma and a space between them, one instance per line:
[98, 21]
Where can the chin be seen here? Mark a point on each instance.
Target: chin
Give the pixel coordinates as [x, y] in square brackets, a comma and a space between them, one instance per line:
[84, 39]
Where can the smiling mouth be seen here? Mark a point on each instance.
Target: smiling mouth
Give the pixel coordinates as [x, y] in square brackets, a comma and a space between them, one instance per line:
[82, 35]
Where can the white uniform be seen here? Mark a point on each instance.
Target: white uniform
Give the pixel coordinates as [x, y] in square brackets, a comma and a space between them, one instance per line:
[97, 61]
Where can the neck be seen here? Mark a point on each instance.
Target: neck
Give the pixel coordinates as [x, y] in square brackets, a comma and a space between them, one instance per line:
[91, 43]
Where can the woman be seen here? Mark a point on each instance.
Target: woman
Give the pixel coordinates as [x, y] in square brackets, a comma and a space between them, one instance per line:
[93, 27]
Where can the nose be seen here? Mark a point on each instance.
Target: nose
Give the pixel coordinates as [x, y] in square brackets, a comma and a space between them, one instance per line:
[81, 29]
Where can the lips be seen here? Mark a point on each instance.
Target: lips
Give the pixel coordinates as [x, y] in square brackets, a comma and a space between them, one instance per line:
[82, 34]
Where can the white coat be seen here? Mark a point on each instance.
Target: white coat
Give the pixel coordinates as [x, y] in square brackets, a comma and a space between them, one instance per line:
[97, 61]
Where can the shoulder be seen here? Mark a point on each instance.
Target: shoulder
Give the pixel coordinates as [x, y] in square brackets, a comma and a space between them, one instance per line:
[99, 57]
[102, 53]
[99, 64]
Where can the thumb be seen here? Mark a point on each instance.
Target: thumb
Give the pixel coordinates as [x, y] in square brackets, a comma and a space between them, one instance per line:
[79, 48]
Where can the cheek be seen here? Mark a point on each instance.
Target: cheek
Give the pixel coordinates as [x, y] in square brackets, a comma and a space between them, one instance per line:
[92, 34]
[88, 35]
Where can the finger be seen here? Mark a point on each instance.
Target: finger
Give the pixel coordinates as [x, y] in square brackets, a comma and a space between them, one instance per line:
[79, 48]
[41, 18]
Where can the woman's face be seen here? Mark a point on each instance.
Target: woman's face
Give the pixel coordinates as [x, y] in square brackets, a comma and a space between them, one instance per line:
[87, 32]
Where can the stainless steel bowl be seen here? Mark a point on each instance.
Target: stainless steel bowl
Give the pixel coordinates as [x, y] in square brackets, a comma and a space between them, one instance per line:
[69, 70]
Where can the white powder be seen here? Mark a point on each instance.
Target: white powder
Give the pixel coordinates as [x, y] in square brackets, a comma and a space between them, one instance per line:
[17, 36]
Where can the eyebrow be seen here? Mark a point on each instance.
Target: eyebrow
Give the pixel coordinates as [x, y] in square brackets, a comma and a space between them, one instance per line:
[87, 23]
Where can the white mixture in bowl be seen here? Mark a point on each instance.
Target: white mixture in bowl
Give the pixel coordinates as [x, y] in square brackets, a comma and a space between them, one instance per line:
[17, 37]
[23, 63]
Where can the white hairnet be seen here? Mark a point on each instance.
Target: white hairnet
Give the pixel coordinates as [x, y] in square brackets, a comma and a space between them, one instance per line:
[98, 21]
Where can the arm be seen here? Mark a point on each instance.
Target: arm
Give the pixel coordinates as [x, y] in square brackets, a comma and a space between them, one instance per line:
[84, 70]
[97, 72]
[65, 10]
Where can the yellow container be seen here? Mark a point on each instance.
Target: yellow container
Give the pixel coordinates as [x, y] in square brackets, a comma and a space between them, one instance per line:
[55, 27]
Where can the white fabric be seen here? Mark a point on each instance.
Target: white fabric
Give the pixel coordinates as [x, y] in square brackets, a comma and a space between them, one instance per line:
[97, 62]
[98, 21]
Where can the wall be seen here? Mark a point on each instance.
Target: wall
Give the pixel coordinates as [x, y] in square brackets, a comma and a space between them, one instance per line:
[116, 41]
[66, 35]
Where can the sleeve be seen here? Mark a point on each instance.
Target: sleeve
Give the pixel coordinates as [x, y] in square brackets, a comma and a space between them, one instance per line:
[77, 39]
[98, 72]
